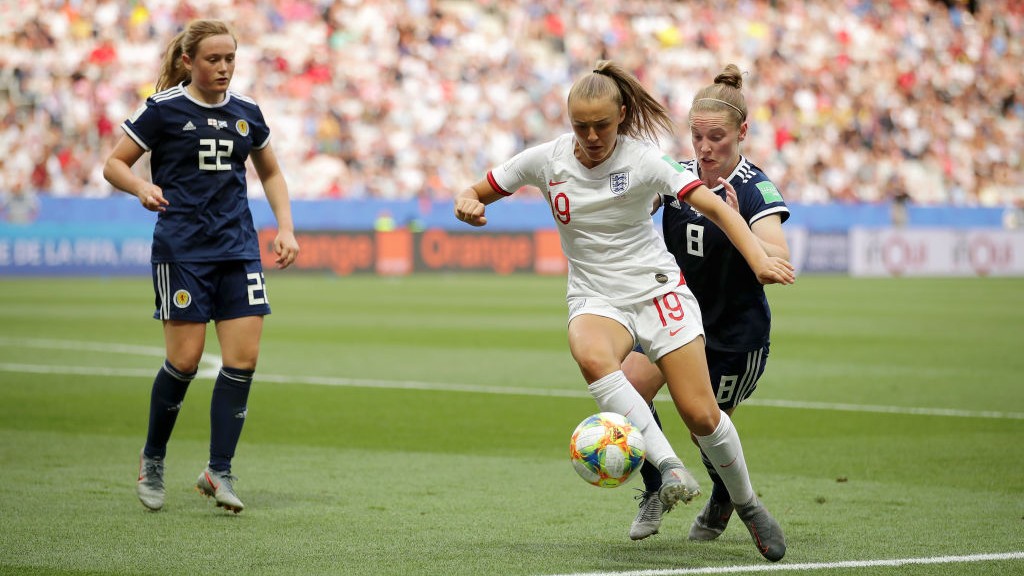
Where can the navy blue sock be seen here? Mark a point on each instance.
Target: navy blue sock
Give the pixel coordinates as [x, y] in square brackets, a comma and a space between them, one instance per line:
[227, 415]
[649, 472]
[169, 388]
[719, 492]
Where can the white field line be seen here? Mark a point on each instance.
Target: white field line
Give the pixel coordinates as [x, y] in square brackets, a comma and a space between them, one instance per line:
[843, 407]
[808, 566]
[108, 347]
[210, 368]
[207, 367]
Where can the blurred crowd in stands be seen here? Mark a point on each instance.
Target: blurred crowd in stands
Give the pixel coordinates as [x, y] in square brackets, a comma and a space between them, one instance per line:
[850, 100]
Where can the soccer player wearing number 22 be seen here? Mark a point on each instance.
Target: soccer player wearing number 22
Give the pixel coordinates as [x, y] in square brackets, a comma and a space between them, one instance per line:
[206, 253]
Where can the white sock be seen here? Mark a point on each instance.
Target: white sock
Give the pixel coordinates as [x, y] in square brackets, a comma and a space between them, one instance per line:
[614, 393]
[724, 450]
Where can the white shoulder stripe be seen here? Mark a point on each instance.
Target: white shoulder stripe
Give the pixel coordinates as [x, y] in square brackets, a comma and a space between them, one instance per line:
[780, 210]
[131, 134]
[745, 171]
[172, 92]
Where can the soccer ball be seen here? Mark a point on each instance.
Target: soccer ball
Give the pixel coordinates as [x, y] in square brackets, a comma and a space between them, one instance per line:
[606, 449]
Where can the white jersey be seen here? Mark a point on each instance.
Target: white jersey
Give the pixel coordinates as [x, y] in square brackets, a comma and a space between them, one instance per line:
[603, 214]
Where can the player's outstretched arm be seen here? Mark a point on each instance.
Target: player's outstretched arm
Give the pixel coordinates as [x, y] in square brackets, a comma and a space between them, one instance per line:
[768, 269]
[768, 229]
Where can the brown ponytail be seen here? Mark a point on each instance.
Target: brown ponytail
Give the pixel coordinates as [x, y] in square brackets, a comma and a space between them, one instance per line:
[645, 116]
[172, 70]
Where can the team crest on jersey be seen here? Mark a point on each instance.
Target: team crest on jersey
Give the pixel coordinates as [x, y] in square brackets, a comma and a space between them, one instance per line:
[242, 127]
[182, 299]
[619, 183]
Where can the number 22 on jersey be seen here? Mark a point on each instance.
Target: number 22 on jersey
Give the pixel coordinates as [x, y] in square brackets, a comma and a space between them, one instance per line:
[215, 154]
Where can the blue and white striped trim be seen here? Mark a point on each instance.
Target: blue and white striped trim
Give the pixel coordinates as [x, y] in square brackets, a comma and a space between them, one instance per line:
[170, 93]
[749, 379]
[236, 377]
[163, 289]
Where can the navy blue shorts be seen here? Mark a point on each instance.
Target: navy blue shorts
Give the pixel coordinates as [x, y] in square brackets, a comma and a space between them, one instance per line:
[734, 375]
[204, 291]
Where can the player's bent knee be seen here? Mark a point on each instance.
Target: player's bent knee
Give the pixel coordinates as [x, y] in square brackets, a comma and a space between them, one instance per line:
[184, 364]
[701, 422]
[594, 369]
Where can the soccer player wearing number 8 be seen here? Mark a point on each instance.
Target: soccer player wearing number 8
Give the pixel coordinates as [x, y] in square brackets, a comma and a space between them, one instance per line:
[737, 319]
[624, 287]
[206, 255]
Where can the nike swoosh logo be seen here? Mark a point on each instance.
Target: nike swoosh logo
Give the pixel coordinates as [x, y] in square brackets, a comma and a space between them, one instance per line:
[676, 331]
[730, 463]
[553, 183]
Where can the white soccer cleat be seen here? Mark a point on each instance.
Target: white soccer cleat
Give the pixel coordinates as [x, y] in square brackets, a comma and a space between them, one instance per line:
[220, 486]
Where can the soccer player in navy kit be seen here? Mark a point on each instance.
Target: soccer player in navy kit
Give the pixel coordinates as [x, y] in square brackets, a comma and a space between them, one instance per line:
[737, 319]
[206, 255]
[624, 288]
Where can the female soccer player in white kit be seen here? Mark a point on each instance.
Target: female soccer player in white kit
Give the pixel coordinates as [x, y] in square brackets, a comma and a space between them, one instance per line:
[624, 287]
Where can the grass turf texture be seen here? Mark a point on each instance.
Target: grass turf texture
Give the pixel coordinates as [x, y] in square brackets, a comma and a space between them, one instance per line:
[424, 467]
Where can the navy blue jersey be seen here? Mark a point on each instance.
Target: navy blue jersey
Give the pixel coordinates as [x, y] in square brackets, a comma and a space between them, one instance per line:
[732, 301]
[198, 154]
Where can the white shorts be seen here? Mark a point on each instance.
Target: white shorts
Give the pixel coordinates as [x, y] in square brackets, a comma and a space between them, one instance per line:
[659, 325]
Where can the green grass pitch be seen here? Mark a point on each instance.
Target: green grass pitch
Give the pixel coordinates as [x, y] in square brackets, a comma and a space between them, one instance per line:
[419, 426]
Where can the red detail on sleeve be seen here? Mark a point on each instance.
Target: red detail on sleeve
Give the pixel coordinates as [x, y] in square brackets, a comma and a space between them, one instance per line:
[688, 188]
[495, 187]
[682, 279]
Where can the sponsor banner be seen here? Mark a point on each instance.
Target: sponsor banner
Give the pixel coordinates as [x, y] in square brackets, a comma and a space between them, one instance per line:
[81, 250]
[826, 253]
[504, 253]
[936, 252]
[343, 253]
[74, 250]
[815, 252]
[401, 252]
